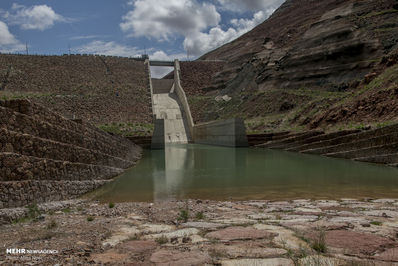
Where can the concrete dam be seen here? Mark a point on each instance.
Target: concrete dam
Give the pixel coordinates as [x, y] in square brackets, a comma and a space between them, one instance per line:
[173, 120]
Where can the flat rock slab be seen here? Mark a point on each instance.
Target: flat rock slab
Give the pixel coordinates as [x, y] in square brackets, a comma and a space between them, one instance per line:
[261, 216]
[235, 221]
[240, 233]
[389, 255]
[355, 242]
[350, 220]
[286, 238]
[320, 261]
[175, 234]
[110, 257]
[177, 258]
[248, 249]
[382, 213]
[124, 233]
[203, 225]
[308, 210]
[156, 228]
[258, 262]
[138, 246]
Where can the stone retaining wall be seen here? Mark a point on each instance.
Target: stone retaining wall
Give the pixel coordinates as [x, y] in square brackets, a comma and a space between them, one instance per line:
[40, 113]
[46, 157]
[16, 194]
[16, 167]
[38, 147]
[19, 122]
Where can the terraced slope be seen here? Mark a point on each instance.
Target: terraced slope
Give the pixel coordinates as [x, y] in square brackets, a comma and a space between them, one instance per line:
[44, 156]
[374, 146]
[106, 91]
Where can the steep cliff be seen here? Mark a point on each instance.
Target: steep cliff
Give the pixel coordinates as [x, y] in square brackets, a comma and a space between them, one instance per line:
[308, 59]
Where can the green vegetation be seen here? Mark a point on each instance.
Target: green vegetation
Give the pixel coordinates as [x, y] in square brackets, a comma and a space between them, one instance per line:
[90, 218]
[52, 224]
[161, 240]
[183, 215]
[199, 216]
[111, 205]
[32, 213]
[319, 244]
[66, 210]
[376, 223]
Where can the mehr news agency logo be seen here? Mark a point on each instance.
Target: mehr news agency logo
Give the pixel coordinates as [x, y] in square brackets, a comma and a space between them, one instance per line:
[23, 251]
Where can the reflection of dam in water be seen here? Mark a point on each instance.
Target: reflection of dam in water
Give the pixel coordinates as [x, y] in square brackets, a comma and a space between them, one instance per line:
[173, 181]
[193, 171]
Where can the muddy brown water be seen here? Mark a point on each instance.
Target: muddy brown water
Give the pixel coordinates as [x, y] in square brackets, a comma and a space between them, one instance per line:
[221, 173]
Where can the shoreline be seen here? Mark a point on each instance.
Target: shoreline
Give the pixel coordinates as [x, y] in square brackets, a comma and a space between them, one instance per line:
[197, 232]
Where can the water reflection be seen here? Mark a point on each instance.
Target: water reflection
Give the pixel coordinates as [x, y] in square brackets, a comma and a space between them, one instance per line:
[208, 172]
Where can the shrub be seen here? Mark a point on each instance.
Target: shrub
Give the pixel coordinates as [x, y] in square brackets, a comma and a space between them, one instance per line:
[183, 216]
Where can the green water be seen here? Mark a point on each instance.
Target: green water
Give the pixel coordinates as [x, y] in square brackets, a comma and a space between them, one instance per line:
[220, 173]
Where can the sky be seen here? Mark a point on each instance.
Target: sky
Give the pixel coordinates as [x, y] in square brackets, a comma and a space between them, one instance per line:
[163, 29]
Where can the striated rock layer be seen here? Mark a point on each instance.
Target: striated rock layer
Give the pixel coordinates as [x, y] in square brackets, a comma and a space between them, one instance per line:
[308, 59]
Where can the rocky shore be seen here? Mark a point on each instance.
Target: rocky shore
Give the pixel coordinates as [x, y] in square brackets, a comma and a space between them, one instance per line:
[198, 232]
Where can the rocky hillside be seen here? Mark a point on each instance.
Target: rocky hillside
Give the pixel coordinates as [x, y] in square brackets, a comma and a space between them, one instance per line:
[45, 157]
[324, 63]
[111, 92]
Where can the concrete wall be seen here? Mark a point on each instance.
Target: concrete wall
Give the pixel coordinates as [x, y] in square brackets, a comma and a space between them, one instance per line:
[162, 85]
[158, 140]
[150, 86]
[231, 132]
[183, 100]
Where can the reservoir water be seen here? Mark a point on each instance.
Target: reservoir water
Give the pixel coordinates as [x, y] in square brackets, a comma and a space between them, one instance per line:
[220, 173]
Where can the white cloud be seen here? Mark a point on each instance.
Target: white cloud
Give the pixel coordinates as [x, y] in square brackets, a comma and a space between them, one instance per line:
[86, 37]
[38, 17]
[160, 72]
[164, 19]
[109, 48]
[200, 43]
[8, 42]
[249, 5]
[198, 23]
[115, 49]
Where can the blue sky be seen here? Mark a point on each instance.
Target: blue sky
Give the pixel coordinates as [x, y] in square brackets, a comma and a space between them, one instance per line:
[164, 29]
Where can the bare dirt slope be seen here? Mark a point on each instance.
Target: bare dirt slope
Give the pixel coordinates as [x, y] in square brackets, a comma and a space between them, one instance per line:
[108, 91]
